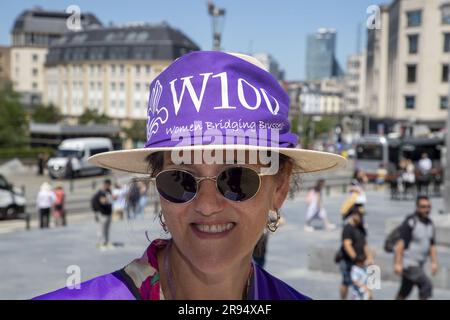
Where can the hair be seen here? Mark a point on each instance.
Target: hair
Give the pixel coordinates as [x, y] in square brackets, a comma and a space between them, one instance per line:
[156, 163]
[360, 258]
[107, 181]
[421, 197]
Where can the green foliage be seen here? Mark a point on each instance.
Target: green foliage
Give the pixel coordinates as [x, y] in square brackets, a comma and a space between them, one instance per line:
[46, 114]
[23, 153]
[93, 117]
[13, 121]
[137, 132]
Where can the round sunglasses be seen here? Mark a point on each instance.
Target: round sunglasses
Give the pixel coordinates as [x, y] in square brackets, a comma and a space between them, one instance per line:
[236, 183]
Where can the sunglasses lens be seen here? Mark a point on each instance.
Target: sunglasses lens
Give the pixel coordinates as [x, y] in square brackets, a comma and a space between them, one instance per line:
[238, 183]
[176, 186]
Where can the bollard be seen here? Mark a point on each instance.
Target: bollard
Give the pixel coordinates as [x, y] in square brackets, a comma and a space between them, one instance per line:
[94, 184]
[27, 221]
[71, 185]
[328, 190]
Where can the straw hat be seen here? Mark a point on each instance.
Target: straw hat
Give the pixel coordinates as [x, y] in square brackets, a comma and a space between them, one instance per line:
[209, 100]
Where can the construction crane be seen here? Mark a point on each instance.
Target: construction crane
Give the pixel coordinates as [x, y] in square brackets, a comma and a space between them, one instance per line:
[217, 17]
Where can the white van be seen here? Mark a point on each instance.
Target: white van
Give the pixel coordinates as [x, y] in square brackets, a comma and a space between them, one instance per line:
[12, 200]
[78, 151]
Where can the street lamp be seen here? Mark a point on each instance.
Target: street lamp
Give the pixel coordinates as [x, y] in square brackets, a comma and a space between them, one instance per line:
[217, 17]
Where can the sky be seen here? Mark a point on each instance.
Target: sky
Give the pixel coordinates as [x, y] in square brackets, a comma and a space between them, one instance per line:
[278, 27]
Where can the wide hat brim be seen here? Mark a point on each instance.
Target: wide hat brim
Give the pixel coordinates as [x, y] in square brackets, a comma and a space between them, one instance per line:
[134, 160]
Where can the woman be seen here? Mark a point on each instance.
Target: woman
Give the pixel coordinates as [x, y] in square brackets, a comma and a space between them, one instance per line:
[59, 211]
[316, 208]
[214, 204]
[44, 202]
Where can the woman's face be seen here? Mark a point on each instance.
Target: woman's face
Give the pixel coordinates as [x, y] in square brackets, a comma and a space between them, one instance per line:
[188, 223]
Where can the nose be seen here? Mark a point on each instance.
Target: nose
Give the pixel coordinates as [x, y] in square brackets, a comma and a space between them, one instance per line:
[208, 200]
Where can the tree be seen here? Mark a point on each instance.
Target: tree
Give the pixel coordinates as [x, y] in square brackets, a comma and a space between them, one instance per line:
[13, 121]
[137, 131]
[46, 114]
[92, 116]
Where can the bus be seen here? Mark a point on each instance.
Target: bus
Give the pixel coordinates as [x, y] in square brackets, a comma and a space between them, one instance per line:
[373, 150]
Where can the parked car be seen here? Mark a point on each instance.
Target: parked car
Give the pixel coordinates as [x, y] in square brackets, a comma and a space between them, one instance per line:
[12, 200]
[77, 151]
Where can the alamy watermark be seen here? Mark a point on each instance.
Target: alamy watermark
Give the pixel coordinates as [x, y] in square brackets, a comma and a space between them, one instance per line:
[73, 281]
[373, 22]
[73, 22]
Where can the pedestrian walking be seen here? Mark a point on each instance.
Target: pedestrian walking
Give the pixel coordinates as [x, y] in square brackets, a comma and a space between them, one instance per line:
[408, 178]
[133, 196]
[59, 210]
[102, 206]
[425, 167]
[41, 163]
[416, 243]
[356, 197]
[44, 202]
[354, 244]
[316, 208]
[359, 289]
[119, 193]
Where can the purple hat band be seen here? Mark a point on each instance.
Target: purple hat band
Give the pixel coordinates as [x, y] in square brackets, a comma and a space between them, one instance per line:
[209, 97]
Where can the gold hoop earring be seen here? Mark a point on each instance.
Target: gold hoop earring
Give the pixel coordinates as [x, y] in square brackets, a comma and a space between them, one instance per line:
[162, 223]
[272, 225]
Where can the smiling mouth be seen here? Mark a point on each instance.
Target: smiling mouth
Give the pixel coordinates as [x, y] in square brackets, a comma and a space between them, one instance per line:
[213, 228]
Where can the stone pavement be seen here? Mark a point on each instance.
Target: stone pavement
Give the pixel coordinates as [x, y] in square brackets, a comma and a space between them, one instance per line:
[34, 262]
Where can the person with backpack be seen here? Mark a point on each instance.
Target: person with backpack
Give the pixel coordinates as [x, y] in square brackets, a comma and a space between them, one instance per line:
[101, 203]
[354, 244]
[416, 241]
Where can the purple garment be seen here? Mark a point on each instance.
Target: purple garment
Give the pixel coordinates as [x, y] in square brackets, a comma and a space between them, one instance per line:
[117, 286]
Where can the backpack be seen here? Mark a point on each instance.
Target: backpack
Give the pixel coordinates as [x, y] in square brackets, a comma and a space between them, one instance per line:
[95, 202]
[393, 237]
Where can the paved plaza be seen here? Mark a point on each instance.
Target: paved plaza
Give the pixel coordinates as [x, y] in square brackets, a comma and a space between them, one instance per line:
[36, 261]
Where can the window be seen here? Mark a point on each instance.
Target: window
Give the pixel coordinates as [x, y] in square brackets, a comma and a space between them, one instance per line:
[34, 85]
[444, 103]
[113, 69]
[35, 71]
[414, 18]
[113, 86]
[98, 150]
[4, 184]
[138, 69]
[444, 73]
[410, 102]
[122, 86]
[446, 42]
[411, 73]
[445, 11]
[35, 57]
[413, 43]
[138, 87]
[147, 69]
